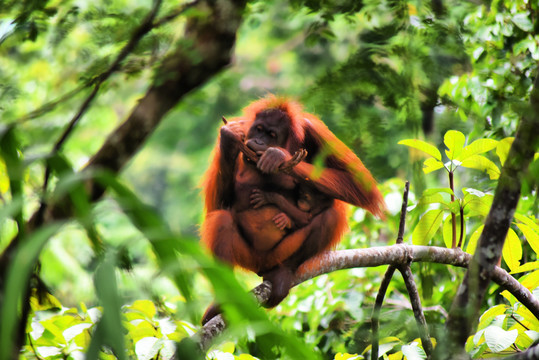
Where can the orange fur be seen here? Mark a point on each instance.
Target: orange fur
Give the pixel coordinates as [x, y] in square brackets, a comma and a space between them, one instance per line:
[344, 177]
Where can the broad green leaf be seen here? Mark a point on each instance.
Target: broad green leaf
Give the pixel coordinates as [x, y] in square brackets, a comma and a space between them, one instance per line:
[477, 147]
[529, 266]
[454, 140]
[423, 146]
[109, 329]
[4, 178]
[338, 356]
[498, 339]
[427, 227]
[146, 307]
[413, 352]
[433, 191]
[431, 165]
[489, 315]
[503, 148]
[512, 250]
[523, 340]
[476, 203]
[18, 276]
[472, 243]
[528, 221]
[531, 237]
[482, 163]
[528, 317]
[431, 199]
[523, 21]
[448, 231]
[530, 281]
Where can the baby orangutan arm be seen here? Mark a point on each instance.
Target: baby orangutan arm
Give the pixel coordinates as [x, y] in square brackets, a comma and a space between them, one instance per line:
[289, 210]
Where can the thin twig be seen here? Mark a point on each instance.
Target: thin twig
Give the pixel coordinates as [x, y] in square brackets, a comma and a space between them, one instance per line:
[375, 319]
[415, 300]
[139, 32]
[402, 223]
[126, 50]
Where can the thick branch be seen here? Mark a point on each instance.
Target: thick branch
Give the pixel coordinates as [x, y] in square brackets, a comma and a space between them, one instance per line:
[466, 306]
[394, 255]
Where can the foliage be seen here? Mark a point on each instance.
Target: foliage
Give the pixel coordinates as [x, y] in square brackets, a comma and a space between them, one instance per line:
[377, 72]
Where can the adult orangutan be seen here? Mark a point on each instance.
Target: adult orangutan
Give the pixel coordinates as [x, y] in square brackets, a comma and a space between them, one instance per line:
[243, 228]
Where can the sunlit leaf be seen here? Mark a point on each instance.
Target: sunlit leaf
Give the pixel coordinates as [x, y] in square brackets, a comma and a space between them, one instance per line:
[522, 20]
[528, 221]
[340, 356]
[472, 243]
[145, 307]
[413, 352]
[528, 317]
[431, 199]
[530, 281]
[431, 165]
[4, 178]
[433, 191]
[477, 147]
[476, 203]
[427, 227]
[503, 148]
[423, 146]
[498, 339]
[454, 140]
[529, 266]
[512, 250]
[482, 163]
[489, 315]
[523, 341]
[531, 237]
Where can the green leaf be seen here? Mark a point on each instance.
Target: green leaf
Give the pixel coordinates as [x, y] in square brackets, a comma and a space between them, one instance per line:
[512, 250]
[528, 221]
[482, 163]
[476, 203]
[413, 352]
[529, 266]
[472, 243]
[531, 237]
[145, 307]
[433, 191]
[489, 315]
[477, 147]
[18, 276]
[498, 339]
[431, 199]
[502, 149]
[431, 165]
[454, 140]
[422, 146]
[109, 329]
[530, 281]
[427, 227]
[522, 20]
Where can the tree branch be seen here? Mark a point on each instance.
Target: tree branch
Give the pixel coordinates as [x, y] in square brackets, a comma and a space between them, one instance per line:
[394, 255]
